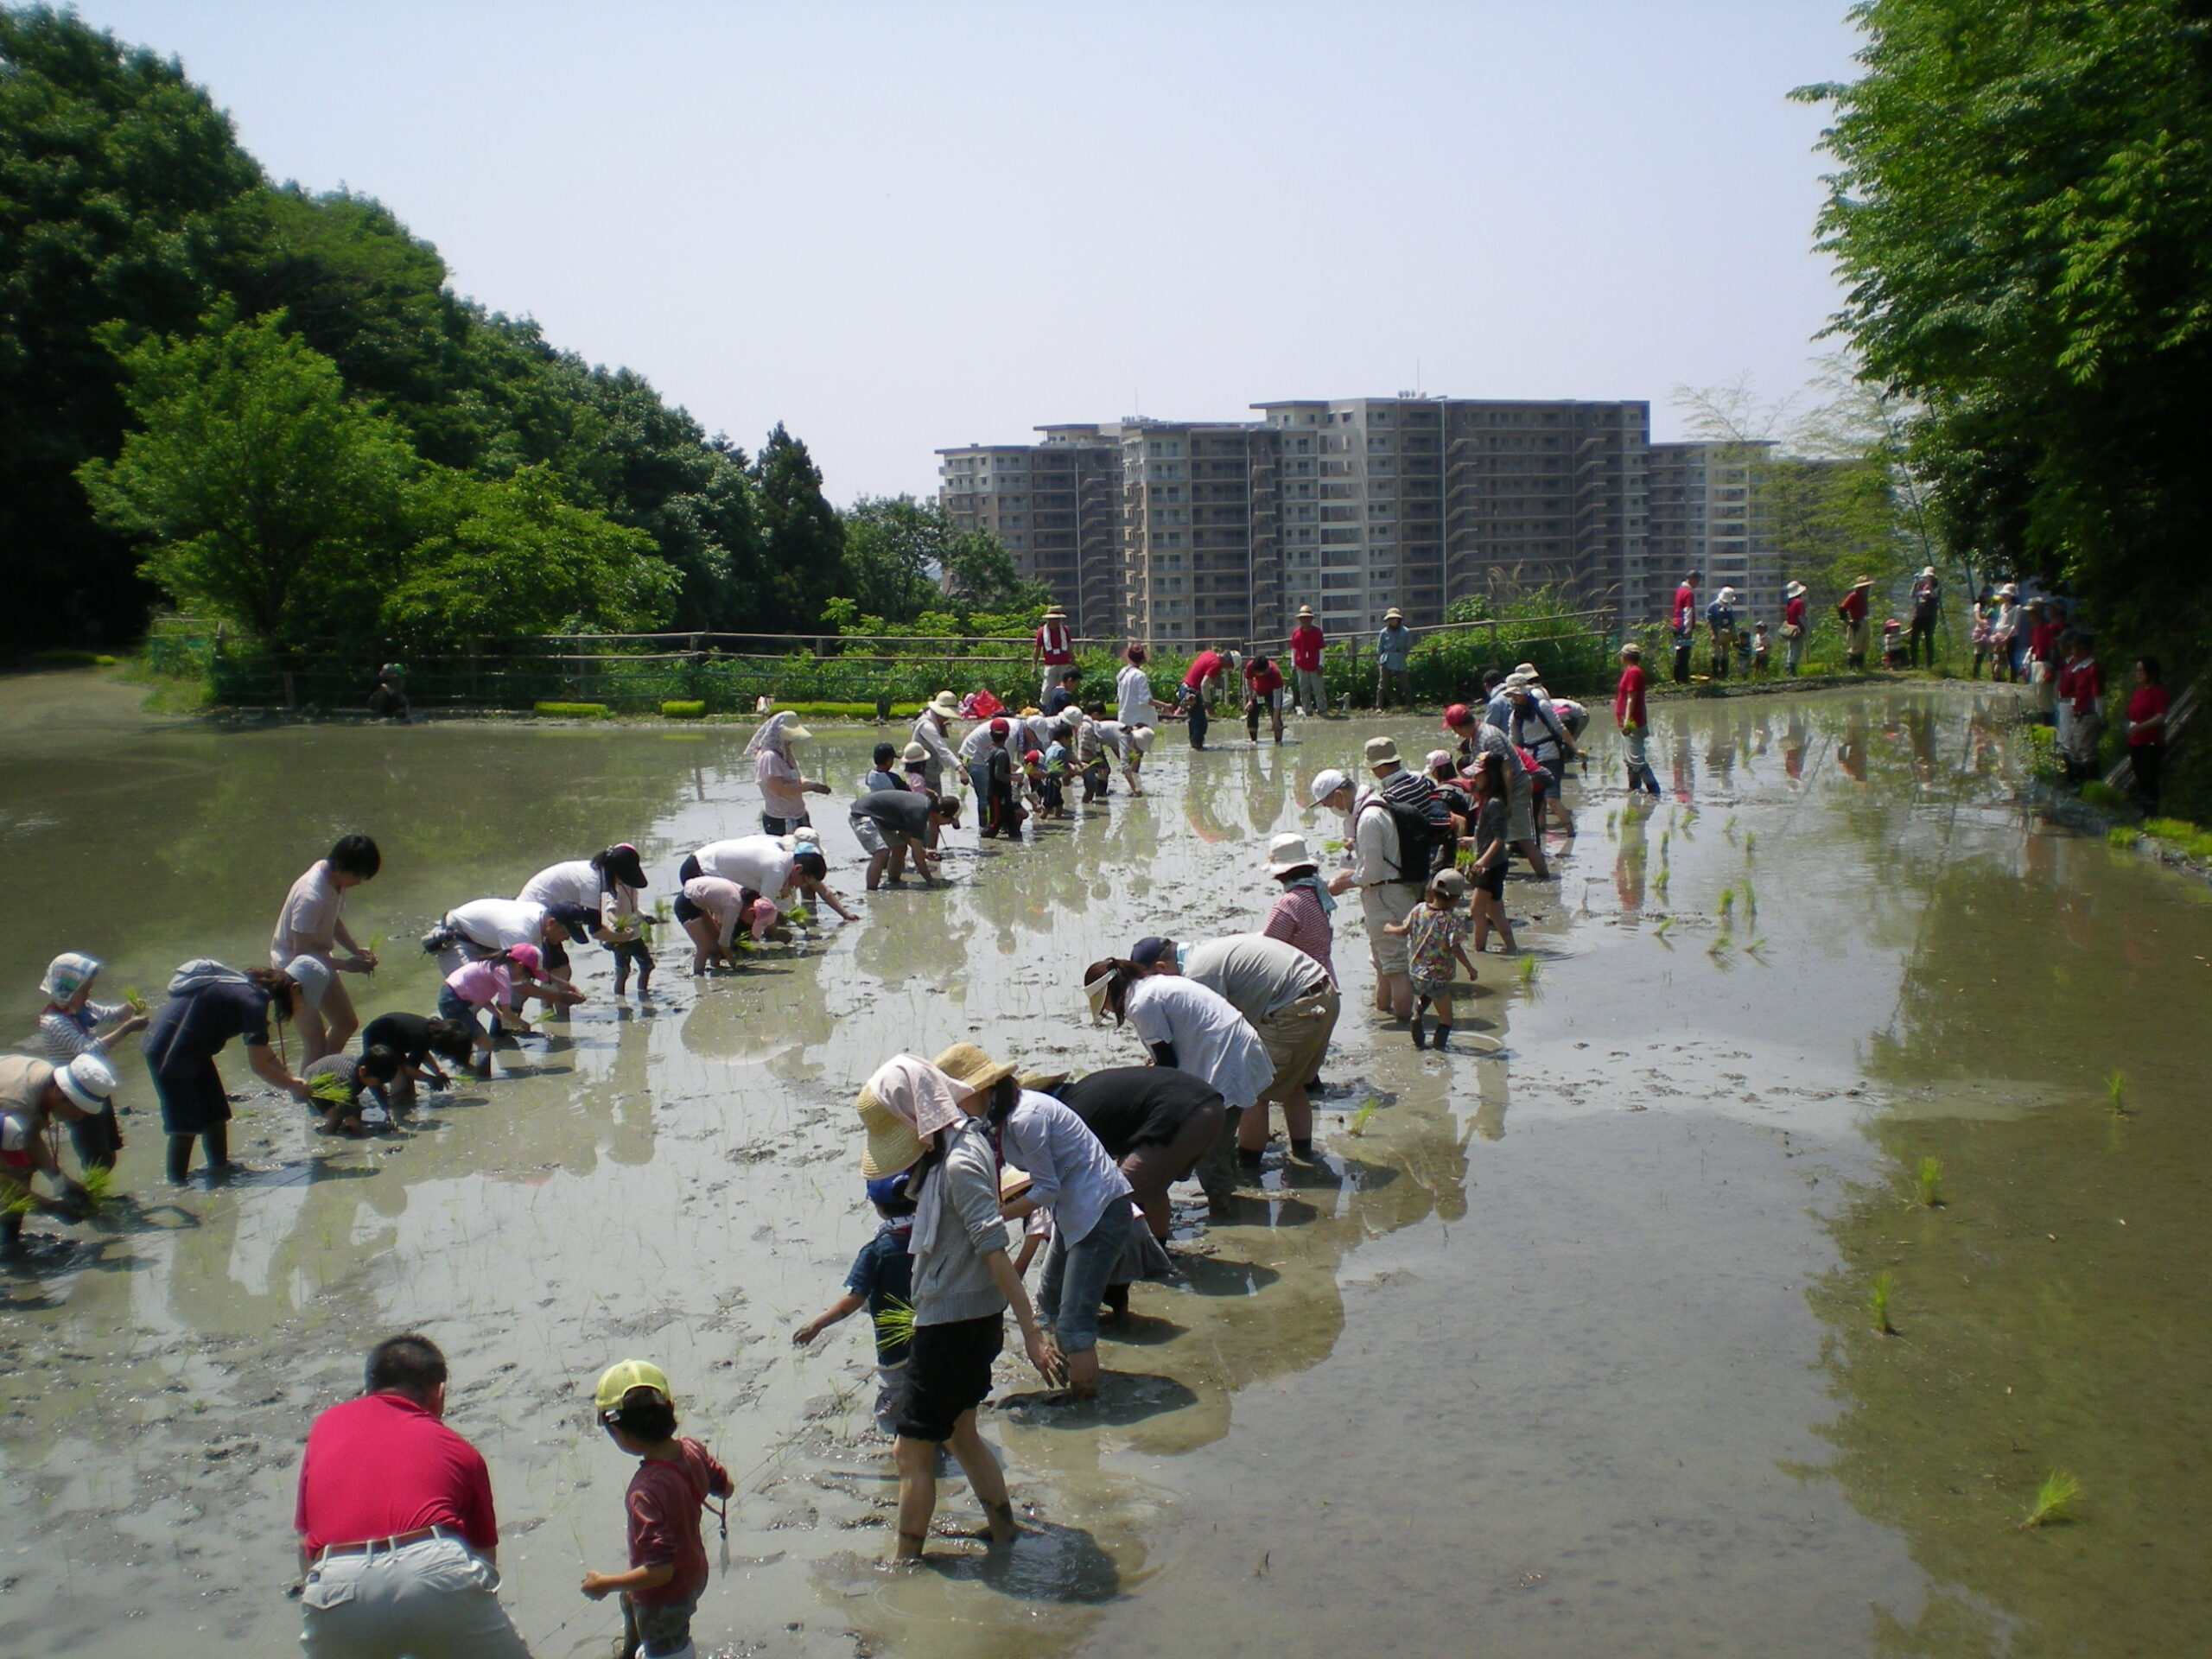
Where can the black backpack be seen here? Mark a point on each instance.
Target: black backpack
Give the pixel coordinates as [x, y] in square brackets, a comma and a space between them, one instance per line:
[1425, 845]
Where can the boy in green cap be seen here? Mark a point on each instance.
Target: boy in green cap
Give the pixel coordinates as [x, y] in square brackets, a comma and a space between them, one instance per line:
[675, 1477]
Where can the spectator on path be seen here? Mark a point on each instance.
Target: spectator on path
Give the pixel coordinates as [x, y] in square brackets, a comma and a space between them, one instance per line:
[1684, 620]
[2083, 689]
[1852, 608]
[1720, 622]
[2004, 626]
[2147, 706]
[1054, 648]
[1393, 648]
[1306, 645]
[398, 1537]
[1793, 628]
[2045, 629]
[1927, 609]
[1984, 618]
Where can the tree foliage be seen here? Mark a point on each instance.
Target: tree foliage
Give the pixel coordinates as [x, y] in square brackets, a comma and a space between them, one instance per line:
[2023, 210]
[129, 212]
[895, 553]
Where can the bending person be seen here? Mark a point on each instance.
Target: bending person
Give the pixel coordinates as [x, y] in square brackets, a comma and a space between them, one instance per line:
[1156, 1123]
[607, 884]
[788, 875]
[209, 1004]
[890, 823]
[714, 910]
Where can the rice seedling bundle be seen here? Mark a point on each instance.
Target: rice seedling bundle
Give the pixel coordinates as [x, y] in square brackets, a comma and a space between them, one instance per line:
[895, 1324]
[1928, 1182]
[1363, 1116]
[1878, 1301]
[2116, 1093]
[2055, 1500]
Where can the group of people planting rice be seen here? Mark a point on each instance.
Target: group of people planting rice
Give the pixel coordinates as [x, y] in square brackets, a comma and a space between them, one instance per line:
[972, 1163]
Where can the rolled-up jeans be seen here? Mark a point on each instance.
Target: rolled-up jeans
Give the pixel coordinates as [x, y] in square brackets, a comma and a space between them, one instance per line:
[434, 1599]
[1076, 1276]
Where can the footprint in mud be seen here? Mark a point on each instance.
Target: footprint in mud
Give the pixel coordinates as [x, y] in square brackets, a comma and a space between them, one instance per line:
[1048, 1563]
[1123, 1398]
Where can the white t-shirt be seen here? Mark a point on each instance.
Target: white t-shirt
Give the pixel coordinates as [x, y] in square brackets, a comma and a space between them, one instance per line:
[1212, 1041]
[1133, 695]
[307, 925]
[499, 924]
[577, 881]
[975, 748]
[756, 861]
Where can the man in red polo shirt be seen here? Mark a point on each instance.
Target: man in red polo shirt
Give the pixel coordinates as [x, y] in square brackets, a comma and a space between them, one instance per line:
[1054, 648]
[1684, 623]
[1263, 689]
[1306, 645]
[397, 1535]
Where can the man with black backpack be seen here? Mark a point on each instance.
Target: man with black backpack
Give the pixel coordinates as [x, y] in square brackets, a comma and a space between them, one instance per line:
[1402, 834]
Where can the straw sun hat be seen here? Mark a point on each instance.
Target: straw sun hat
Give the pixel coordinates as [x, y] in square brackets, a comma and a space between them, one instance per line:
[972, 1069]
[946, 704]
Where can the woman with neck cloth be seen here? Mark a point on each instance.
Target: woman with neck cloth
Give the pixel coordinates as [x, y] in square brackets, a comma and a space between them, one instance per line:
[920, 1119]
[1069, 1175]
[784, 789]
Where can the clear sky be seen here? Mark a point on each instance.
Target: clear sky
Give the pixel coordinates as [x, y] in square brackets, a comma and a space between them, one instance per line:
[901, 227]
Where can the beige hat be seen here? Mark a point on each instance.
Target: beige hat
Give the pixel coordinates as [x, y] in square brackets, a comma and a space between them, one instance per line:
[2010, 590]
[1927, 570]
[914, 752]
[1287, 852]
[1393, 614]
[1042, 1083]
[1052, 611]
[1381, 752]
[794, 733]
[946, 704]
[1863, 581]
[1095, 991]
[893, 1145]
[1306, 613]
[1795, 590]
[1526, 670]
[972, 1069]
[1140, 739]
[1013, 1182]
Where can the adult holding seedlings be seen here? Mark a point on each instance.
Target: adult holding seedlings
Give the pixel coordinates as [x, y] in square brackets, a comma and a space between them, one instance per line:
[398, 1535]
[2147, 706]
[1300, 916]
[1636, 724]
[930, 727]
[1069, 1175]
[312, 925]
[1306, 645]
[789, 875]
[609, 884]
[893, 824]
[32, 1093]
[783, 788]
[72, 1024]
[209, 1004]
[1200, 681]
[920, 1119]
[1286, 997]
[1720, 622]
[714, 912]
[1793, 628]
[1183, 1025]
[1158, 1123]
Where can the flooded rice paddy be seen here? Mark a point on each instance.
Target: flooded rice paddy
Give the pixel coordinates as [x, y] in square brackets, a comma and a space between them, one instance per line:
[1567, 1351]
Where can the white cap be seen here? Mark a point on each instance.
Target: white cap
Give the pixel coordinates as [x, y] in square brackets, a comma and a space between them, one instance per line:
[1325, 783]
[313, 977]
[88, 1080]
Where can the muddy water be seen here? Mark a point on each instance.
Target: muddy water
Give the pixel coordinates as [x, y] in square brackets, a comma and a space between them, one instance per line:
[1565, 1353]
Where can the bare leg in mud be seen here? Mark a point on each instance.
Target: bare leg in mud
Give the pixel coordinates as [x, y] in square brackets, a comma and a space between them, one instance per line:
[917, 1461]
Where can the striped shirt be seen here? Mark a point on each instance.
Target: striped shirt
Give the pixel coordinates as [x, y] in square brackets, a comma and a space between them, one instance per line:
[1298, 918]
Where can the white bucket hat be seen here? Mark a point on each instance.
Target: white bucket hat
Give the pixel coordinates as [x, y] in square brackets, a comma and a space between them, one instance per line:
[1287, 852]
[313, 977]
[88, 1080]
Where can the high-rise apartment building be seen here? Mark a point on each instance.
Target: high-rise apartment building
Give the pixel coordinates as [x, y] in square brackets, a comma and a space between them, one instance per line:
[1223, 528]
[1057, 508]
[1706, 513]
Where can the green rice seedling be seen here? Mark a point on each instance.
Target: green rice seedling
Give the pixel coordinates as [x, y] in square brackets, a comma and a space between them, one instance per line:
[1877, 1302]
[1666, 926]
[1728, 831]
[1719, 949]
[1756, 950]
[332, 1090]
[1665, 835]
[1361, 1118]
[2054, 1501]
[99, 1189]
[895, 1324]
[136, 998]
[1751, 903]
[1659, 884]
[1727, 904]
[21, 1205]
[2116, 1093]
[1529, 970]
[1751, 844]
[1928, 1184]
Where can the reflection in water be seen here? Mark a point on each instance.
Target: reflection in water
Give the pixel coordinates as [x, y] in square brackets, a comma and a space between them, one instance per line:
[1567, 1378]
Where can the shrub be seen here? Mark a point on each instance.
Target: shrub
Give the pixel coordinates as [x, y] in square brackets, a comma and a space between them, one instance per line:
[570, 710]
[67, 660]
[683, 710]
[2182, 835]
[2121, 835]
[2098, 793]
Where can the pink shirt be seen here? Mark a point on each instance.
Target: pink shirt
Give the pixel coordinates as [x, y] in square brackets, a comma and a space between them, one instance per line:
[778, 778]
[480, 984]
[381, 1466]
[1298, 918]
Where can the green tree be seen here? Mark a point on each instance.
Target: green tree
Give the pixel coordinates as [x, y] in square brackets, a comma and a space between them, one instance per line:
[499, 558]
[116, 179]
[894, 550]
[2021, 208]
[802, 538]
[982, 576]
[269, 497]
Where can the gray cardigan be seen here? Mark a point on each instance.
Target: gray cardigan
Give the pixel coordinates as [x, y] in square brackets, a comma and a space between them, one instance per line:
[951, 1282]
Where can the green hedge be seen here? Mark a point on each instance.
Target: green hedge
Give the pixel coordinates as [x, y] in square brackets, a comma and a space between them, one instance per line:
[571, 710]
[682, 710]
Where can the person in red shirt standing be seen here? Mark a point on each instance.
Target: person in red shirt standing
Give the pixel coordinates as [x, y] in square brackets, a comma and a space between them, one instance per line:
[1306, 647]
[675, 1477]
[1264, 688]
[1685, 615]
[1205, 667]
[1628, 712]
[1054, 648]
[2084, 690]
[2042, 650]
[1852, 607]
[398, 1537]
[2147, 732]
[1793, 628]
